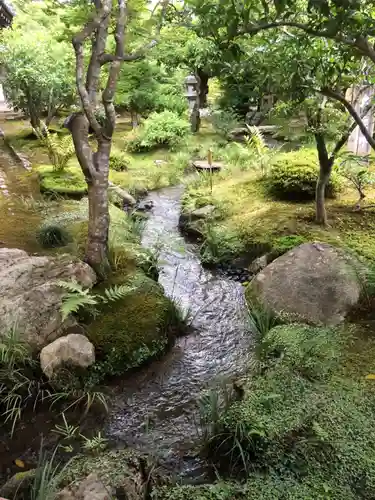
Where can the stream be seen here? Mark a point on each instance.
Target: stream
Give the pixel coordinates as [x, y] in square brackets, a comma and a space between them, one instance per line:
[157, 408]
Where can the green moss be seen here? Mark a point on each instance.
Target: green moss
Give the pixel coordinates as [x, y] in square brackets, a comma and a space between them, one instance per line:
[115, 468]
[70, 181]
[218, 491]
[134, 329]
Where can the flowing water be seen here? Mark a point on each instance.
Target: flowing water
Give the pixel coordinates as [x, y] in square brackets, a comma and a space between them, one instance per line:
[157, 408]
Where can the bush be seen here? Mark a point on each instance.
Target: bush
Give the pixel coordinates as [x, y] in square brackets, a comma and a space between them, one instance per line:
[119, 161]
[294, 175]
[164, 129]
[224, 121]
[53, 236]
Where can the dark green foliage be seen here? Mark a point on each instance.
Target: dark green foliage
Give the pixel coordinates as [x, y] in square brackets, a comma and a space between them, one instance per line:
[119, 161]
[294, 175]
[224, 121]
[303, 429]
[53, 236]
[164, 129]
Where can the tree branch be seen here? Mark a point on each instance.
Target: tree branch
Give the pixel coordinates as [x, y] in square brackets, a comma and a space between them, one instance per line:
[114, 71]
[342, 141]
[340, 98]
[106, 58]
[87, 91]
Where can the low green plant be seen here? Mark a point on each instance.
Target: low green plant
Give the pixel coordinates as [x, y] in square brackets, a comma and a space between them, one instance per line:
[256, 143]
[294, 175]
[74, 395]
[19, 388]
[60, 149]
[356, 170]
[164, 129]
[77, 297]
[119, 161]
[95, 444]
[49, 472]
[224, 121]
[66, 431]
[53, 236]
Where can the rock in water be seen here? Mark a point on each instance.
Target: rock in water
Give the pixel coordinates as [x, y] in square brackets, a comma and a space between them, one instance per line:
[30, 298]
[74, 349]
[314, 283]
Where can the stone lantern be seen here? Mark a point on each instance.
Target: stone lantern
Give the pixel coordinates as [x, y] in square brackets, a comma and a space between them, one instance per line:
[192, 95]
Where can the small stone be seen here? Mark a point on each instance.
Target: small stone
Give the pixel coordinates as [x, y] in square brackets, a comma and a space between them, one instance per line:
[160, 163]
[144, 206]
[74, 349]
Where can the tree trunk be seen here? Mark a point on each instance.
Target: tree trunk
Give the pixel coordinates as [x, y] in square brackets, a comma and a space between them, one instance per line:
[134, 118]
[325, 169]
[97, 242]
[95, 167]
[203, 87]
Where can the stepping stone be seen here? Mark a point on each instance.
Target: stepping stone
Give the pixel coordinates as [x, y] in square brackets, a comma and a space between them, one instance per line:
[203, 165]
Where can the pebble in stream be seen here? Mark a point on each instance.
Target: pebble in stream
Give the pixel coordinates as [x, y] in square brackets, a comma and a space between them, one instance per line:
[157, 408]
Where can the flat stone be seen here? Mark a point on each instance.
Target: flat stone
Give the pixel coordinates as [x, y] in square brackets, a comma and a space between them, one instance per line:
[204, 165]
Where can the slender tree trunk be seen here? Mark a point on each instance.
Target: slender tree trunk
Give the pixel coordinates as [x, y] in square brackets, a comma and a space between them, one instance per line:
[325, 169]
[95, 167]
[203, 87]
[97, 242]
[134, 118]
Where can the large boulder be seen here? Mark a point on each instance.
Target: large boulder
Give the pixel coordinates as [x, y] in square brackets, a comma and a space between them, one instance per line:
[74, 349]
[313, 283]
[30, 297]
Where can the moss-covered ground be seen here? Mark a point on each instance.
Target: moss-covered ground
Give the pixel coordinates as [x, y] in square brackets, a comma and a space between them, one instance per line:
[248, 220]
[142, 174]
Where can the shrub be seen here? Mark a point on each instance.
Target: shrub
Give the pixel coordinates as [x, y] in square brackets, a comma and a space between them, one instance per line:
[53, 236]
[294, 175]
[224, 121]
[164, 129]
[119, 161]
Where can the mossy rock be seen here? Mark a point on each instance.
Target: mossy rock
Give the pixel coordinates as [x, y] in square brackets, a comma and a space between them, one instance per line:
[134, 329]
[69, 182]
[122, 470]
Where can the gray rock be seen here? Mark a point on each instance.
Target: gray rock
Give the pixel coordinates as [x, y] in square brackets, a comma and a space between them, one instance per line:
[258, 264]
[119, 196]
[74, 349]
[314, 283]
[90, 488]
[203, 212]
[145, 205]
[203, 165]
[30, 297]
[160, 163]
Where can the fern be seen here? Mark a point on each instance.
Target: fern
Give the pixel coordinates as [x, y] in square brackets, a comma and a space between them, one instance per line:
[115, 292]
[255, 140]
[60, 149]
[78, 297]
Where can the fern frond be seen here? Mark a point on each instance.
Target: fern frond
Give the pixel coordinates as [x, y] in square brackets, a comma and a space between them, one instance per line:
[71, 286]
[116, 292]
[256, 140]
[72, 302]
